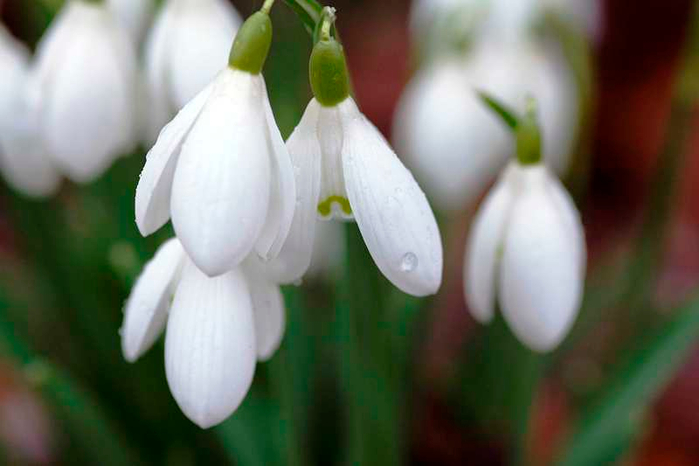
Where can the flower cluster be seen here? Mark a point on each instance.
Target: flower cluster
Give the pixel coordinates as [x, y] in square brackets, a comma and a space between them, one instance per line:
[248, 209]
[244, 206]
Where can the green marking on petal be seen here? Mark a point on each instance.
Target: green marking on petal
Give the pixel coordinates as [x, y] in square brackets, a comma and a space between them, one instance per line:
[325, 207]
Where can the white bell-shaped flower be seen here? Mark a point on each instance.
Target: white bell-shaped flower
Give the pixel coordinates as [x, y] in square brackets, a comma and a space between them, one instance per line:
[221, 169]
[83, 90]
[187, 47]
[527, 247]
[345, 169]
[23, 161]
[134, 16]
[454, 145]
[217, 328]
[14, 63]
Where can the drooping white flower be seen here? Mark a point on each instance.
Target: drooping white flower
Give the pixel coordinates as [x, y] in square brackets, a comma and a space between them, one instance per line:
[346, 170]
[527, 247]
[82, 90]
[454, 145]
[23, 161]
[14, 63]
[134, 16]
[187, 47]
[217, 328]
[221, 169]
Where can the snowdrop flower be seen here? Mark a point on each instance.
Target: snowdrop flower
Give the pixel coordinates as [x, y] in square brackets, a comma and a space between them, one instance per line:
[454, 145]
[220, 168]
[82, 89]
[217, 328]
[527, 246]
[134, 16]
[186, 48]
[14, 63]
[345, 169]
[23, 162]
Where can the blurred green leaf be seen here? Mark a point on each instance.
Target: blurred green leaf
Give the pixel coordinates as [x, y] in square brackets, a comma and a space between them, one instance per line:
[309, 11]
[612, 424]
[507, 114]
[374, 379]
[496, 386]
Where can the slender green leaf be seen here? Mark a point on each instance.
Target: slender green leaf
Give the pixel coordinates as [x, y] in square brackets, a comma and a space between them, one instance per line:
[614, 422]
[309, 11]
[507, 114]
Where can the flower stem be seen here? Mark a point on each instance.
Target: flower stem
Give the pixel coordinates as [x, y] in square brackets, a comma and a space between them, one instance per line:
[373, 378]
[267, 6]
[328, 20]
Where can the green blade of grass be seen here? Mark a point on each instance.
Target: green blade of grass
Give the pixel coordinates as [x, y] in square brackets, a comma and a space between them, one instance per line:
[612, 424]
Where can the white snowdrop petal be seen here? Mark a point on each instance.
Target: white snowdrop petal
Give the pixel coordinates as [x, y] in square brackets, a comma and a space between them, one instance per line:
[154, 188]
[23, 159]
[282, 202]
[147, 307]
[268, 310]
[210, 349]
[333, 202]
[485, 248]
[133, 16]
[294, 259]
[221, 189]
[14, 62]
[87, 117]
[199, 46]
[571, 218]
[540, 283]
[391, 210]
[453, 144]
[156, 71]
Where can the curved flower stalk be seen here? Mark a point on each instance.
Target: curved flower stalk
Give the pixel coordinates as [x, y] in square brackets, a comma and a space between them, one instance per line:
[220, 168]
[527, 246]
[186, 48]
[217, 328]
[346, 170]
[134, 16]
[23, 162]
[82, 91]
[454, 145]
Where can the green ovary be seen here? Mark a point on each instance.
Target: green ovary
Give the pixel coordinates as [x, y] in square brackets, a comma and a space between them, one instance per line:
[325, 207]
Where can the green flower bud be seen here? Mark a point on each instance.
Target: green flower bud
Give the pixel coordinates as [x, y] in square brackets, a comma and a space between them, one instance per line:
[252, 43]
[328, 72]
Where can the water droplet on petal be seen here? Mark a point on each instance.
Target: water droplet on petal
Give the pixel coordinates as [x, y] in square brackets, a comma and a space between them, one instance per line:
[409, 262]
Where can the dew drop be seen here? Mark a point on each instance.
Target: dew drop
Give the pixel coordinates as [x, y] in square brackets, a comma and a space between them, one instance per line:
[409, 262]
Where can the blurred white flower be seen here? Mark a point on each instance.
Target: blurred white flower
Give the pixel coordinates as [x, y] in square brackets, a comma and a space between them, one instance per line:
[134, 16]
[23, 161]
[14, 63]
[82, 89]
[527, 245]
[187, 46]
[217, 328]
[345, 169]
[454, 144]
[221, 169]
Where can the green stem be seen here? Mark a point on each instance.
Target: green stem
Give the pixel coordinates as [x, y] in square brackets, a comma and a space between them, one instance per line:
[373, 379]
